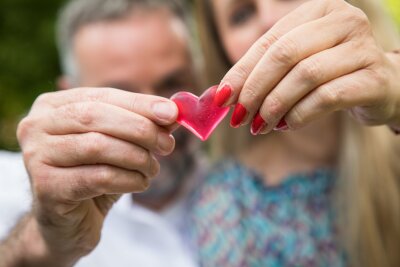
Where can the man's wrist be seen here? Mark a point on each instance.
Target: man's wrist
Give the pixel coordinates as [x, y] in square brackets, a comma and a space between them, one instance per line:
[25, 246]
[32, 242]
[43, 254]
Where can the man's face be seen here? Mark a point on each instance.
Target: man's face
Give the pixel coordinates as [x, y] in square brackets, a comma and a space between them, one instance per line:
[146, 53]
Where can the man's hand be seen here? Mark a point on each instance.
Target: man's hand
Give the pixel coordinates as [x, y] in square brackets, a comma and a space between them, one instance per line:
[83, 148]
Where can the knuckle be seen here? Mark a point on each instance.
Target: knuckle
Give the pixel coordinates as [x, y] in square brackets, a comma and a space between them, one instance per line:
[250, 97]
[154, 167]
[104, 178]
[365, 59]
[275, 106]
[85, 113]
[309, 71]
[355, 16]
[80, 189]
[251, 92]
[144, 129]
[94, 144]
[142, 158]
[139, 183]
[284, 52]
[144, 184]
[42, 99]
[67, 143]
[267, 40]
[29, 152]
[273, 37]
[240, 72]
[380, 77]
[24, 127]
[380, 95]
[329, 97]
[357, 45]
[360, 17]
[133, 102]
[373, 57]
[296, 118]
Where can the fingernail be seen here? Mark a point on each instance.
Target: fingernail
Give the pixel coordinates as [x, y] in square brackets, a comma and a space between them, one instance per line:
[223, 94]
[258, 124]
[282, 126]
[238, 116]
[164, 142]
[165, 110]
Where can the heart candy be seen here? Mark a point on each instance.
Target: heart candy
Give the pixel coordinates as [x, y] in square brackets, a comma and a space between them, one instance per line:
[200, 115]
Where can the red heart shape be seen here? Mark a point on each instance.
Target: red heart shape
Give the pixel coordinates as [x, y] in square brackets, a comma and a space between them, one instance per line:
[199, 115]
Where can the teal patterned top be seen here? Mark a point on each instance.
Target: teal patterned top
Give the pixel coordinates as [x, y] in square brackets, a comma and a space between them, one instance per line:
[238, 221]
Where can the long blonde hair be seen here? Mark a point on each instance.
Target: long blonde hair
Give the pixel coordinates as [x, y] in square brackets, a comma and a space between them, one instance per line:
[367, 196]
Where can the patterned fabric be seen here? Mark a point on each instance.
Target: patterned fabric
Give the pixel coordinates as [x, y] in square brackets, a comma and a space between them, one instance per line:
[237, 221]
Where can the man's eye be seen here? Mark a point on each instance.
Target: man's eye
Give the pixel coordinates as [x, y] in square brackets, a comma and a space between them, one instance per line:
[242, 14]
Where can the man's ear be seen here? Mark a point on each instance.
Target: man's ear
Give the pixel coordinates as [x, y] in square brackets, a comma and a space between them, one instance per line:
[63, 83]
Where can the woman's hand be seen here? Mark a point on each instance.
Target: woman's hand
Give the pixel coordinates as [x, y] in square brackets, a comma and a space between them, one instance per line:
[320, 58]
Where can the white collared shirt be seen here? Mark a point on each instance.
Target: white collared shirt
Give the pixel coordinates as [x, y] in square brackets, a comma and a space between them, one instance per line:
[15, 194]
[135, 236]
[132, 235]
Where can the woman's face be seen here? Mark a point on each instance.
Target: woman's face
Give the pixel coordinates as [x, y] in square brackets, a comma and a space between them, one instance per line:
[241, 22]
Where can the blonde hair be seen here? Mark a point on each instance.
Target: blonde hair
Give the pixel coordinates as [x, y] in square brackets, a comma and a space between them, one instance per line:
[367, 196]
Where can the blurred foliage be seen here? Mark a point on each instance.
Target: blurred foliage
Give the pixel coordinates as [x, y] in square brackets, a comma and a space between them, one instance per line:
[394, 8]
[28, 58]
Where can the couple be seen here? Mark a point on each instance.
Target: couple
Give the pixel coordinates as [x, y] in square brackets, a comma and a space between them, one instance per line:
[309, 187]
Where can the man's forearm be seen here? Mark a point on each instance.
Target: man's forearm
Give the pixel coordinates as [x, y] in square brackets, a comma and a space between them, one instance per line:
[26, 247]
[23, 247]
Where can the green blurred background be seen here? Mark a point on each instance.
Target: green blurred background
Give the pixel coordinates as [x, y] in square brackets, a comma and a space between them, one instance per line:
[28, 58]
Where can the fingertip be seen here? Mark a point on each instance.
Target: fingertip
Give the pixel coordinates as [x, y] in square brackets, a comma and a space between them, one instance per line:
[282, 126]
[166, 144]
[155, 167]
[239, 115]
[223, 94]
[175, 108]
[258, 125]
[165, 111]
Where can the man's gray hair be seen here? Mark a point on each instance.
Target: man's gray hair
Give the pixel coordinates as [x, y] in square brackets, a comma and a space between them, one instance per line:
[78, 13]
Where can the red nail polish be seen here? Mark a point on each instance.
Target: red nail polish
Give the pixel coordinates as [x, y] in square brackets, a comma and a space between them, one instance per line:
[258, 124]
[282, 126]
[239, 114]
[223, 95]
